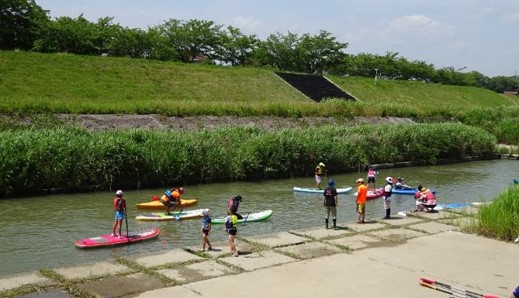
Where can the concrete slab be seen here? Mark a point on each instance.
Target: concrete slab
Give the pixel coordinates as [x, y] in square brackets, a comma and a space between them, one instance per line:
[433, 227]
[50, 293]
[322, 233]
[17, 281]
[197, 271]
[355, 241]
[396, 234]
[398, 220]
[279, 239]
[170, 257]
[310, 250]
[460, 221]
[92, 270]
[468, 261]
[368, 226]
[258, 260]
[122, 286]
[435, 215]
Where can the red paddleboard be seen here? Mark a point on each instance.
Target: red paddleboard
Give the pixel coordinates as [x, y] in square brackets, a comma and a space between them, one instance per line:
[377, 193]
[108, 240]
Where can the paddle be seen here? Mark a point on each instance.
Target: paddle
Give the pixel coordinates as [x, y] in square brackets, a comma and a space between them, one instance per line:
[443, 287]
[126, 219]
[246, 217]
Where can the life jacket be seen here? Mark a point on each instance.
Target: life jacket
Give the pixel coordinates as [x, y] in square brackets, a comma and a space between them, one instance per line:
[233, 204]
[387, 193]
[231, 221]
[329, 197]
[372, 173]
[119, 204]
[206, 221]
[318, 171]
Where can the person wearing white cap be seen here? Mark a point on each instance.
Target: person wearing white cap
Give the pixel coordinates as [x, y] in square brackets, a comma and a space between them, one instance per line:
[388, 189]
[206, 228]
[319, 171]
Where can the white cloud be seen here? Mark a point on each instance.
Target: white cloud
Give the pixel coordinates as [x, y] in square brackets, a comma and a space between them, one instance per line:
[413, 22]
[247, 22]
[512, 17]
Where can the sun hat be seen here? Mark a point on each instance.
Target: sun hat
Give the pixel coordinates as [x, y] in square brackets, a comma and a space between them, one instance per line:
[360, 180]
[331, 183]
[389, 180]
[322, 164]
[119, 193]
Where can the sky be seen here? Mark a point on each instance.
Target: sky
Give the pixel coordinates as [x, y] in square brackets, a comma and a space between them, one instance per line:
[468, 35]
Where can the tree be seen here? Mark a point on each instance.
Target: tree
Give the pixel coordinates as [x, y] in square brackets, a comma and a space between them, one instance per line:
[320, 51]
[191, 39]
[21, 22]
[235, 48]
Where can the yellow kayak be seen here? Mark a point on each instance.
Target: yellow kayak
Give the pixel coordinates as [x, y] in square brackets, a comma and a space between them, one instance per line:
[157, 205]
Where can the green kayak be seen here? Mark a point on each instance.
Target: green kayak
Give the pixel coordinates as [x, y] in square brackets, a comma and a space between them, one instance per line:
[251, 217]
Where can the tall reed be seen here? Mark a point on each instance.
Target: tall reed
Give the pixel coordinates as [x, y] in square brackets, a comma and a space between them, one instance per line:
[72, 158]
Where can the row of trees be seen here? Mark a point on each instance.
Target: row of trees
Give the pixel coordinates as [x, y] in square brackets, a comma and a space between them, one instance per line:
[25, 25]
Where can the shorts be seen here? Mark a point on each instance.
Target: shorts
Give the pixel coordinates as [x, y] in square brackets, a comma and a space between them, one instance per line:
[119, 215]
[318, 178]
[232, 231]
[205, 231]
[169, 204]
[332, 210]
[361, 208]
[371, 179]
[516, 292]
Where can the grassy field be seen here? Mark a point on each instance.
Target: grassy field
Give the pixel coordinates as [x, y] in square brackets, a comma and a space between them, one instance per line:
[61, 83]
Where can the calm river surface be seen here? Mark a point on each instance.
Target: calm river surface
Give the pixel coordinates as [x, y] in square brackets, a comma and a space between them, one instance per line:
[39, 232]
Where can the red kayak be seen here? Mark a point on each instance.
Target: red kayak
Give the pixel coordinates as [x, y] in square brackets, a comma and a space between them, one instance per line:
[373, 194]
[108, 240]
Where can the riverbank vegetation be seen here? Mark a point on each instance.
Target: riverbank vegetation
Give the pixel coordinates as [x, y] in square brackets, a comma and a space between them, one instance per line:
[71, 159]
[500, 219]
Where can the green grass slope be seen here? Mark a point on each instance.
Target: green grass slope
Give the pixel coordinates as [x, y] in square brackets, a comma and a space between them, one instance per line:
[61, 83]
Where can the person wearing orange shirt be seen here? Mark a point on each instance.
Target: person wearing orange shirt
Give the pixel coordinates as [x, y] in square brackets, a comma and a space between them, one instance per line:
[171, 199]
[362, 192]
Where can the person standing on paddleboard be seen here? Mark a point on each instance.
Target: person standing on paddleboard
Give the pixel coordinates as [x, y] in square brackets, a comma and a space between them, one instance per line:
[319, 171]
[372, 174]
[330, 203]
[362, 192]
[206, 228]
[120, 213]
[233, 204]
[388, 189]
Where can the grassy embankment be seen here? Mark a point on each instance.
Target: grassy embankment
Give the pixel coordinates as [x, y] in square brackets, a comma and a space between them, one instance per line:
[59, 83]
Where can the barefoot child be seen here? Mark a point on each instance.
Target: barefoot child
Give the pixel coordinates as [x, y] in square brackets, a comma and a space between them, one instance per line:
[206, 228]
[230, 226]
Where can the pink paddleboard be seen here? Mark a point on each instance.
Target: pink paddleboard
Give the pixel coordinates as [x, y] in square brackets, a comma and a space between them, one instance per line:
[108, 240]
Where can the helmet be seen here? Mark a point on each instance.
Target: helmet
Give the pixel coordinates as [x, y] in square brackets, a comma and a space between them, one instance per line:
[119, 193]
[181, 190]
[331, 182]
[168, 193]
[238, 197]
[360, 180]
[389, 180]
[321, 164]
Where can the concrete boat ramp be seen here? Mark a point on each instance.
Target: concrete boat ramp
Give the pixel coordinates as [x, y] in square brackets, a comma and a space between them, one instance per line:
[381, 258]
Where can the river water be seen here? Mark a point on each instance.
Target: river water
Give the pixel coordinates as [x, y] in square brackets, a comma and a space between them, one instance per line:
[39, 232]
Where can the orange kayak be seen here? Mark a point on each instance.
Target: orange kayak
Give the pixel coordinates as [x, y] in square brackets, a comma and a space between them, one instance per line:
[157, 205]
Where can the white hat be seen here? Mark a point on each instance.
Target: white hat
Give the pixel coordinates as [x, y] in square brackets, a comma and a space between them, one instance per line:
[389, 180]
[322, 164]
[360, 180]
[206, 212]
[119, 193]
